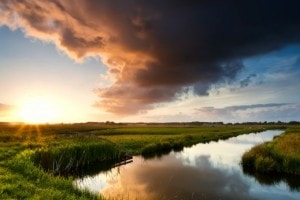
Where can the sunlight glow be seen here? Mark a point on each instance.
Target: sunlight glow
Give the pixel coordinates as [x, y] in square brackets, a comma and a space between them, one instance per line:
[38, 110]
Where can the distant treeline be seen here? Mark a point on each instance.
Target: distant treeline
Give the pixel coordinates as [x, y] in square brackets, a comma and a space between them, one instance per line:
[194, 123]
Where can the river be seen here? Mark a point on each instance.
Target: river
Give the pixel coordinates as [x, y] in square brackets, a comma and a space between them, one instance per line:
[203, 171]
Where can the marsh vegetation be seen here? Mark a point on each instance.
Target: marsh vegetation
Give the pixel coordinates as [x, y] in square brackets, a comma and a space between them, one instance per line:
[40, 162]
[281, 155]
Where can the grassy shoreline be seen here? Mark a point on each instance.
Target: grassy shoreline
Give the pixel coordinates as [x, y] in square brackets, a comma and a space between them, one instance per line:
[140, 140]
[281, 155]
[23, 148]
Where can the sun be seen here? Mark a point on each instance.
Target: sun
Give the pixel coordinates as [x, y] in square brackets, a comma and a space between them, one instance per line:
[38, 110]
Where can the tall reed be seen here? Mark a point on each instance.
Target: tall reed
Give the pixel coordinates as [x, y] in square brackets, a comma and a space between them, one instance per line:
[71, 158]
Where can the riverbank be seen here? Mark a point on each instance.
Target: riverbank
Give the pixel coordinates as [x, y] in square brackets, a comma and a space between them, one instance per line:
[24, 150]
[150, 141]
[282, 155]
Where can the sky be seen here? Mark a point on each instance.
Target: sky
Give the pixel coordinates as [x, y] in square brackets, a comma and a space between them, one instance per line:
[149, 61]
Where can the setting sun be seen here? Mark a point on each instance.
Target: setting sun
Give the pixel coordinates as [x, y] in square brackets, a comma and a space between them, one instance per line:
[38, 110]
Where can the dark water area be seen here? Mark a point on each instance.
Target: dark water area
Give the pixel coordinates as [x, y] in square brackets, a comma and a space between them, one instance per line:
[203, 171]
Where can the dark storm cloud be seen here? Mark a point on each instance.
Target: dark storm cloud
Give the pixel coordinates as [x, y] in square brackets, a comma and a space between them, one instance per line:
[157, 49]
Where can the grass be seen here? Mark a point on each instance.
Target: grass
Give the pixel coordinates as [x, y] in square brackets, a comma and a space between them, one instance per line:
[139, 140]
[71, 157]
[23, 180]
[31, 156]
[282, 155]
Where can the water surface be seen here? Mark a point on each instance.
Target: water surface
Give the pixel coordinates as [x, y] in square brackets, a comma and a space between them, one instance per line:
[203, 171]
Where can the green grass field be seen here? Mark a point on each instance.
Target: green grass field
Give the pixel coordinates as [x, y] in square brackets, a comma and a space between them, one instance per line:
[31, 155]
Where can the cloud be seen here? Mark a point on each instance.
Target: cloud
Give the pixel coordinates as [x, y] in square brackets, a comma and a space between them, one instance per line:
[245, 82]
[255, 112]
[157, 50]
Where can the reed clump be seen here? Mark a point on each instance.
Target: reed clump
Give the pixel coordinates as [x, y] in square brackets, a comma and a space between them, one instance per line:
[282, 155]
[71, 158]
